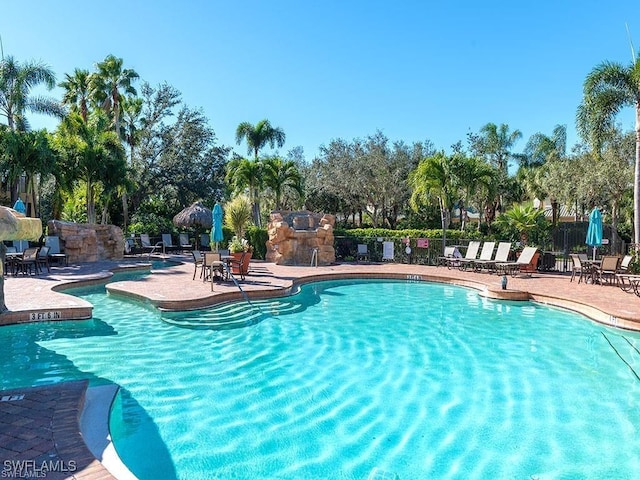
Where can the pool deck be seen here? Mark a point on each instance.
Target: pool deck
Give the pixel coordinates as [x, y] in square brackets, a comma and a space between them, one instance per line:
[43, 424]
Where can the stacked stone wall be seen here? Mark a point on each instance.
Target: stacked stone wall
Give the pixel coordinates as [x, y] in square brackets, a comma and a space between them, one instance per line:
[294, 236]
[88, 242]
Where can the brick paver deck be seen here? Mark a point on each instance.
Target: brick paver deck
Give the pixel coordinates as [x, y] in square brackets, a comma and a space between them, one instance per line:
[43, 425]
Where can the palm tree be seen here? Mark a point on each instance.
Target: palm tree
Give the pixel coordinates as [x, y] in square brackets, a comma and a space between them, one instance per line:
[109, 84]
[91, 152]
[525, 219]
[246, 174]
[16, 82]
[609, 88]
[434, 178]
[278, 175]
[129, 131]
[76, 93]
[259, 135]
[496, 143]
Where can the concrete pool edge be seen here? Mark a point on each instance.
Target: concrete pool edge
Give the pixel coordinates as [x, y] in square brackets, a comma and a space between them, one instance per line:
[94, 428]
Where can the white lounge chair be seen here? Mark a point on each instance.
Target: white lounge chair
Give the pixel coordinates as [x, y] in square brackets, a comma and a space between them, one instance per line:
[513, 268]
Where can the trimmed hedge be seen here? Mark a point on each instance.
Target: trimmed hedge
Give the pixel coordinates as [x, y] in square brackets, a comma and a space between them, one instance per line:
[411, 233]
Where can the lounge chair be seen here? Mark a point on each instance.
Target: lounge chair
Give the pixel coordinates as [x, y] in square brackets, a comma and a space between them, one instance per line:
[55, 253]
[167, 243]
[145, 241]
[624, 265]
[387, 251]
[501, 256]
[523, 262]
[470, 255]
[448, 258]
[363, 252]
[185, 244]
[486, 255]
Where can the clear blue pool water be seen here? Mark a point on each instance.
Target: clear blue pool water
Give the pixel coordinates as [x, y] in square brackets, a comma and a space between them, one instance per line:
[416, 379]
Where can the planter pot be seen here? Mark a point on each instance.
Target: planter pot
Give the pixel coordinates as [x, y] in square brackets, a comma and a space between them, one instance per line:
[235, 266]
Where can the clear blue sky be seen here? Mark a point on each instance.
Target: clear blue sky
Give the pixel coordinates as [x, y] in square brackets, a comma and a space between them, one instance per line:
[321, 70]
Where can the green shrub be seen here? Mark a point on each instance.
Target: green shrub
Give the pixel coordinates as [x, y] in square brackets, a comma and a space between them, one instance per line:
[258, 237]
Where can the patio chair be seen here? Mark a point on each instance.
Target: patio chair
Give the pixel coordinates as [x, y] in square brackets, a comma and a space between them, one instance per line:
[27, 262]
[501, 256]
[470, 255]
[583, 270]
[606, 271]
[212, 266]
[197, 262]
[522, 263]
[363, 252]
[42, 258]
[204, 241]
[238, 265]
[21, 245]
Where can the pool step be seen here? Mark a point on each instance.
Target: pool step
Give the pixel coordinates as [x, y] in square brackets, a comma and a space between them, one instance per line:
[231, 315]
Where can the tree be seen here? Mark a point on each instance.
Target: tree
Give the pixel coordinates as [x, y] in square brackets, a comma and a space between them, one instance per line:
[496, 143]
[27, 152]
[279, 175]
[434, 178]
[90, 151]
[608, 88]
[76, 92]
[16, 82]
[525, 219]
[109, 84]
[259, 135]
[244, 174]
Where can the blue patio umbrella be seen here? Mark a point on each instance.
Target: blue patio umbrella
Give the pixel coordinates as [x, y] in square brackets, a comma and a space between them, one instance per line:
[20, 207]
[216, 229]
[594, 232]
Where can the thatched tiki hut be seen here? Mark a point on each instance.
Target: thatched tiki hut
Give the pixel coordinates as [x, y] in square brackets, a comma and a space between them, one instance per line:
[196, 216]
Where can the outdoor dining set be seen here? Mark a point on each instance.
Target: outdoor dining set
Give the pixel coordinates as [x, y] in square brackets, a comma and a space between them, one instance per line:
[608, 270]
[26, 260]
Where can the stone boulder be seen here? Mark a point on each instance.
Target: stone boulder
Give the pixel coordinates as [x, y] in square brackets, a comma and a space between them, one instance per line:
[83, 242]
[293, 237]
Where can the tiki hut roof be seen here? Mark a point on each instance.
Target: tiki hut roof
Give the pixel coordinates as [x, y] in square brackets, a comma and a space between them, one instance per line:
[197, 215]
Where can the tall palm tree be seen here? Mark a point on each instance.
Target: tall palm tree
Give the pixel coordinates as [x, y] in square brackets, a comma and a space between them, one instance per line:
[76, 92]
[109, 84]
[16, 82]
[496, 143]
[278, 175]
[608, 88]
[259, 135]
[246, 174]
[129, 131]
[434, 178]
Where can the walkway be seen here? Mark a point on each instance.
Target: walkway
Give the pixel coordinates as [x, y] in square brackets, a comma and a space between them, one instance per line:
[43, 424]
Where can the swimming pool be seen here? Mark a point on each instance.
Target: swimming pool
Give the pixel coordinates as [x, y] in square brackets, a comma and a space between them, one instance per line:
[417, 379]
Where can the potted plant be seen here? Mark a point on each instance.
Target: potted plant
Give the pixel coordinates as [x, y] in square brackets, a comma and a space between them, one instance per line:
[241, 252]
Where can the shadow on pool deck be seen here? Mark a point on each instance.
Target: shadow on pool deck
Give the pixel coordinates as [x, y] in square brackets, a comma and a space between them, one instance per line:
[45, 421]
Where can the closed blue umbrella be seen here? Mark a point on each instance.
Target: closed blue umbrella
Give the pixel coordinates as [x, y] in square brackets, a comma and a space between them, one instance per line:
[216, 229]
[20, 207]
[594, 232]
